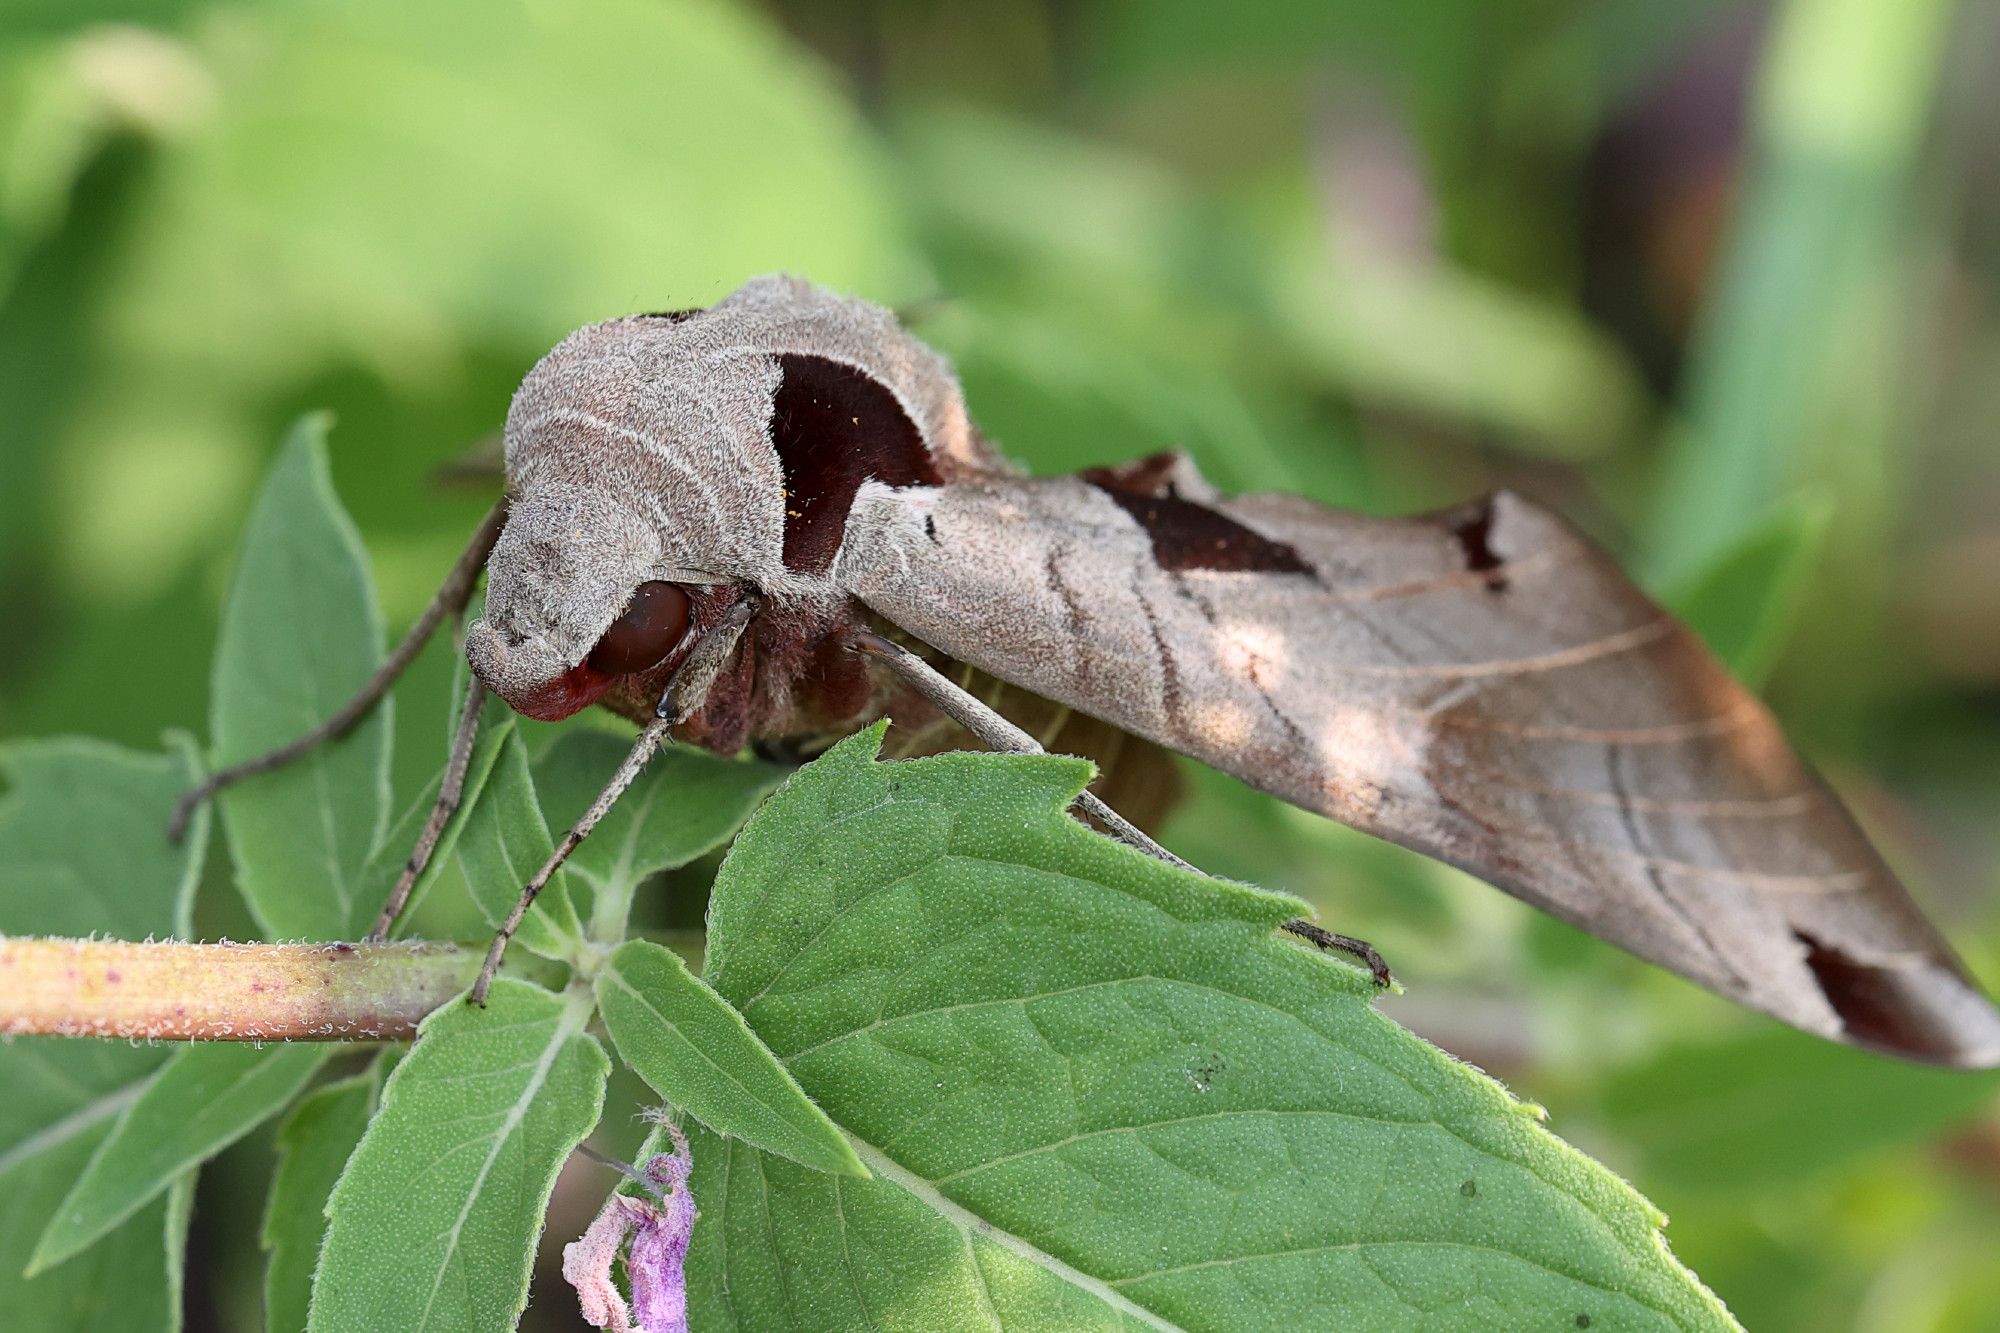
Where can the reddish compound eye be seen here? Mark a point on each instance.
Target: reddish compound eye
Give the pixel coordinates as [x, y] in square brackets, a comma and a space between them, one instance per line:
[654, 623]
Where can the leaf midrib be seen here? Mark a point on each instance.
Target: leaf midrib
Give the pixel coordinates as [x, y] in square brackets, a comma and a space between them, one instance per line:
[569, 1023]
[617, 978]
[73, 1124]
[971, 1224]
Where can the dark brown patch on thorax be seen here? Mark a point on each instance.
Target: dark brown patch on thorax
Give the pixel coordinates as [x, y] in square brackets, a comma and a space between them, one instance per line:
[1186, 535]
[835, 426]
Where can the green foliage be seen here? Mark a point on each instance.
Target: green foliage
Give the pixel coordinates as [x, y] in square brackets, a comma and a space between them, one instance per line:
[687, 803]
[202, 1100]
[1722, 1116]
[313, 1147]
[1385, 256]
[1110, 1083]
[505, 842]
[301, 837]
[81, 851]
[695, 1049]
[496, 734]
[433, 1223]
[1746, 599]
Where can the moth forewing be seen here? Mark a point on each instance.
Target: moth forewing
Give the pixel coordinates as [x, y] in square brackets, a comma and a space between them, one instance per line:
[1480, 684]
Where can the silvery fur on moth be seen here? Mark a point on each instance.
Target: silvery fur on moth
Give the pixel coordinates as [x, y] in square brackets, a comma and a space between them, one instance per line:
[1480, 683]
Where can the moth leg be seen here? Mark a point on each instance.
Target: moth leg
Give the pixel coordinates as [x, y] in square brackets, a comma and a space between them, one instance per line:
[682, 696]
[449, 791]
[997, 732]
[450, 600]
[1348, 944]
[1000, 734]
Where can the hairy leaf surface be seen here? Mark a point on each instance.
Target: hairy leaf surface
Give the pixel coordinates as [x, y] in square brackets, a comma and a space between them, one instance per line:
[1096, 1090]
[82, 851]
[697, 1052]
[300, 634]
[434, 1221]
[313, 1147]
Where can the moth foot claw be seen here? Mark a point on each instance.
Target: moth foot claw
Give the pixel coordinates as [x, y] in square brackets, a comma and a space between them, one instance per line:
[1322, 938]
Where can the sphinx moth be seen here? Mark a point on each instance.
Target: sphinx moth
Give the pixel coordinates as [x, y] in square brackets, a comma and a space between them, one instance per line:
[710, 511]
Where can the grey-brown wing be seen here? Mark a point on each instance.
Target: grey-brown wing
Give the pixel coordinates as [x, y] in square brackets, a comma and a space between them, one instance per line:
[1481, 684]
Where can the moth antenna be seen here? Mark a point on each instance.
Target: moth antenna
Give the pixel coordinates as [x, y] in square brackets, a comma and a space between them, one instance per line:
[683, 694]
[999, 734]
[451, 599]
[449, 792]
[482, 465]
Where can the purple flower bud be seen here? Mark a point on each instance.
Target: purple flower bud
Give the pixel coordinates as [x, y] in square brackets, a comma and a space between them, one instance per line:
[657, 1263]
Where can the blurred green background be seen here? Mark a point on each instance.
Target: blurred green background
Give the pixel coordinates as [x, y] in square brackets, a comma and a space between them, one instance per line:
[1719, 281]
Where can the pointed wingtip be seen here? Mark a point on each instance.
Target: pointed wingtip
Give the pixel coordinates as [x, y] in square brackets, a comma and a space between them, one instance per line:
[1930, 1011]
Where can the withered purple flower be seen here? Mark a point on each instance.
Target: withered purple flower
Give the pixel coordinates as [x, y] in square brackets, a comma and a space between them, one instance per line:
[657, 1260]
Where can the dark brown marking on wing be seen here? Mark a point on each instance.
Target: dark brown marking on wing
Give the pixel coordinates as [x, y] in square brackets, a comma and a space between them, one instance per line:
[1072, 605]
[1474, 533]
[1186, 535]
[1650, 865]
[835, 426]
[674, 315]
[1874, 1003]
[1150, 476]
[1172, 703]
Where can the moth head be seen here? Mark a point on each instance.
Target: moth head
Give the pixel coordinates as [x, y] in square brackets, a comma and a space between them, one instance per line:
[578, 594]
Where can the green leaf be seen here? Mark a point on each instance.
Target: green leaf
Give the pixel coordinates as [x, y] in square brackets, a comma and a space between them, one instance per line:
[313, 1147]
[128, 1280]
[696, 1051]
[502, 846]
[83, 846]
[300, 634]
[82, 849]
[1791, 369]
[433, 1224]
[202, 1100]
[179, 1216]
[686, 804]
[1098, 1090]
[1725, 1116]
[123, 1281]
[496, 725]
[1745, 599]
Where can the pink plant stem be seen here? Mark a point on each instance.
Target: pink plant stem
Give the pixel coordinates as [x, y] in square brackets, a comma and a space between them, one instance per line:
[171, 991]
